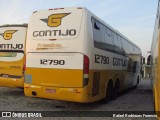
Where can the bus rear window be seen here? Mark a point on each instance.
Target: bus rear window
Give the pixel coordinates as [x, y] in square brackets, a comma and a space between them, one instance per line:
[8, 54]
[11, 56]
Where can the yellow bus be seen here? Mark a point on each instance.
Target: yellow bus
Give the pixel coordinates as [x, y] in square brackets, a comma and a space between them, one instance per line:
[154, 59]
[72, 55]
[12, 55]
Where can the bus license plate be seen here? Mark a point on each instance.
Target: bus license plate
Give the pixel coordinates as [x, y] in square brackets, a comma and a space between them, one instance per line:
[50, 91]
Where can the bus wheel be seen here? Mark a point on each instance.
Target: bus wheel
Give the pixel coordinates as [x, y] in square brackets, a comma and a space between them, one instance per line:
[109, 92]
[116, 90]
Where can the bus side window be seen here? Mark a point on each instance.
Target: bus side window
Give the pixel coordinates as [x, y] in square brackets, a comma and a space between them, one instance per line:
[109, 32]
[125, 45]
[133, 50]
[96, 27]
[98, 31]
[108, 36]
[120, 41]
[115, 39]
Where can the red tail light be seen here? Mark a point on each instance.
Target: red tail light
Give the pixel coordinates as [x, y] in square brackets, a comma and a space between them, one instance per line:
[85, 70]
[86, 65]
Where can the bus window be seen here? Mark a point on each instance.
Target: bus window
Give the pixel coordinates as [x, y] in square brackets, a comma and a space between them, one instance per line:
[109, 32]
[8, 54]
[116, 42]
[98, 31]
[125, 44]
[108, 36]
[120, 41]
[11, 56]
[96, 27]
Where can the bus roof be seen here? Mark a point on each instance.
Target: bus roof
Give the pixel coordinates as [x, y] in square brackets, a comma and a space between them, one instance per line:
[60, 9]
[15, 25]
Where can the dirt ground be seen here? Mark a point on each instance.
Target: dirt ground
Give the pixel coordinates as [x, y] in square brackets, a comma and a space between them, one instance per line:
[137, 99]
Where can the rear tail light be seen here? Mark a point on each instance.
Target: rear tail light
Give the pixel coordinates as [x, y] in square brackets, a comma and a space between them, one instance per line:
[86, 65]
[85, 70]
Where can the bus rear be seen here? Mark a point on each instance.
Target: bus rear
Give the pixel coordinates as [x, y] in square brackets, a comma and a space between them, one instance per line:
[56, 67]
[12, 57]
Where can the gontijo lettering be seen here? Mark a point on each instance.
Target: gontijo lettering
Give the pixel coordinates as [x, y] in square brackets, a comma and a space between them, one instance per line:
[11, 46]
[42, 33]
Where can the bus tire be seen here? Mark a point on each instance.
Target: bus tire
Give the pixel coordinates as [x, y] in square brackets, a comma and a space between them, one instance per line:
[109, 92]
[115, 90]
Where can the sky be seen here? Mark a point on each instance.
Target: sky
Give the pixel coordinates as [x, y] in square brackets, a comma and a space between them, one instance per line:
[133, 18]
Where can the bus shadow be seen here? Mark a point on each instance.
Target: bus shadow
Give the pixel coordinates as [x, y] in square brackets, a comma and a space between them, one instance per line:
[88, 106]
[51, 105]
[124, 92]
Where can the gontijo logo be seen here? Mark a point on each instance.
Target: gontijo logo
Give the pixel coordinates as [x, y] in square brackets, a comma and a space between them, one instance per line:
[54, 20]
[7, 35]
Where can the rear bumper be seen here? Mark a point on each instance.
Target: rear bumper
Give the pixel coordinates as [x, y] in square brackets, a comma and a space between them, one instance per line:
[65, 94]
[12, 82]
